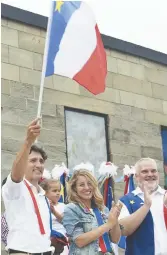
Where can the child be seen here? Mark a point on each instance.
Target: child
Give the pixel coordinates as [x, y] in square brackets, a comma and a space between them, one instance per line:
[52, 188]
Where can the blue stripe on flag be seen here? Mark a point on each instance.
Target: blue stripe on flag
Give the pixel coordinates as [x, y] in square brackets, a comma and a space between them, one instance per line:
[164, 144]
[122, 242]
[131, 184]
[109, 195]
[56, 234]
[63, 188]
[60, 19]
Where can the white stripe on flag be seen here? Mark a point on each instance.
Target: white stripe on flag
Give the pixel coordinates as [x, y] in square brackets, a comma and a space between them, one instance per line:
[78, 42]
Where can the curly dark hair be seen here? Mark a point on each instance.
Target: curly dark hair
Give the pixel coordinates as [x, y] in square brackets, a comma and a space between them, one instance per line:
[35, 148]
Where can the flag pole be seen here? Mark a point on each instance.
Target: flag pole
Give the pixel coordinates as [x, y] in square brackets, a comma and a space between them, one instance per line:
[45, 60]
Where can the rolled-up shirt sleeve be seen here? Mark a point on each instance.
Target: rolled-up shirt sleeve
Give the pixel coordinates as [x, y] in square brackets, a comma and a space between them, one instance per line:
[71, 222]
[11, 190]
[124, 212]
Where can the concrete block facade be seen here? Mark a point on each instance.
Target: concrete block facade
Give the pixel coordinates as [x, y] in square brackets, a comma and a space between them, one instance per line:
[135, 101]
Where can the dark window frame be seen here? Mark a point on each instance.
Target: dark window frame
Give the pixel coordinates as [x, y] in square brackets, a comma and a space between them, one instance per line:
[106, 120]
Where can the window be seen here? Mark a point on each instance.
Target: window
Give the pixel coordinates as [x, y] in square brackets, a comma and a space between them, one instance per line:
[86, 138]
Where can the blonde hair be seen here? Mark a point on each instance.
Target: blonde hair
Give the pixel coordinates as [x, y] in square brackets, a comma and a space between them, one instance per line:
[73, 197]
[46, 184]
[140, 162]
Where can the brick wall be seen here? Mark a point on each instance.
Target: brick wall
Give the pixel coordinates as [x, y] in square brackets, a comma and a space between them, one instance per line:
[135, 101]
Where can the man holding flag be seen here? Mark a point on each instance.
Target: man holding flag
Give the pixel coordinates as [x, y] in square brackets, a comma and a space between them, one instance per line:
[26, 210]
[144, 213]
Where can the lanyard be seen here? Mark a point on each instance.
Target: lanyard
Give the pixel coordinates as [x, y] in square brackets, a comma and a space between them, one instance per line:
[104, 240]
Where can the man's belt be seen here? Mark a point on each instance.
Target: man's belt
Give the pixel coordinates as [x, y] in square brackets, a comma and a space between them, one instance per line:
[11, 251]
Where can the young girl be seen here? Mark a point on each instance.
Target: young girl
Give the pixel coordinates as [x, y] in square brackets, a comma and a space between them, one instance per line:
[52, 189]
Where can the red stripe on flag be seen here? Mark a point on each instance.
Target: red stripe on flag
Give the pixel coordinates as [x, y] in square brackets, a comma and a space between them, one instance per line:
[93, 74]
[165, 214]
[102, 244]
[165, 167]
[105, 191]
[126, 179]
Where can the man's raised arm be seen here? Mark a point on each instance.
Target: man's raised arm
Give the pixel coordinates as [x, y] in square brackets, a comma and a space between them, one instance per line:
[133, 221]
[20, 163]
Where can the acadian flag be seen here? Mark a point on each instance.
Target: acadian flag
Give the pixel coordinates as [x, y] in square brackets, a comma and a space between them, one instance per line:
[63, 188]
[108, 198]
[129, 184]
[106, 171]
[129, 187]
[74, 46]
[164, 146]
[128, 179]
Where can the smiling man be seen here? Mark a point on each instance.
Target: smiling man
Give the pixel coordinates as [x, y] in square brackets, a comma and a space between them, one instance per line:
[143, 215]
[27, 213]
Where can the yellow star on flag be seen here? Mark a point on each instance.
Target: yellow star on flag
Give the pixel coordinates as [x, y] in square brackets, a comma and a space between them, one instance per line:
[58, 5]
[132, 202]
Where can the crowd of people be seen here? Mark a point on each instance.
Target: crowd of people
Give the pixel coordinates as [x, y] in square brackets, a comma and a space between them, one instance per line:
[37, 223]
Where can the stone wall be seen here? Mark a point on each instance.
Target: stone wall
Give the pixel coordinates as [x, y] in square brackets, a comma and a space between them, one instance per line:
[135, 101]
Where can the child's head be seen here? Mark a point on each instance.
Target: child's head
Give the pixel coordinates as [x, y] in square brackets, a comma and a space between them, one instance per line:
[52, 189]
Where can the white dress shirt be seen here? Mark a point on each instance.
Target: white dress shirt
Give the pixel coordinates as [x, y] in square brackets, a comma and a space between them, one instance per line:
[56, 225]
[24, 233]
[160, 231]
